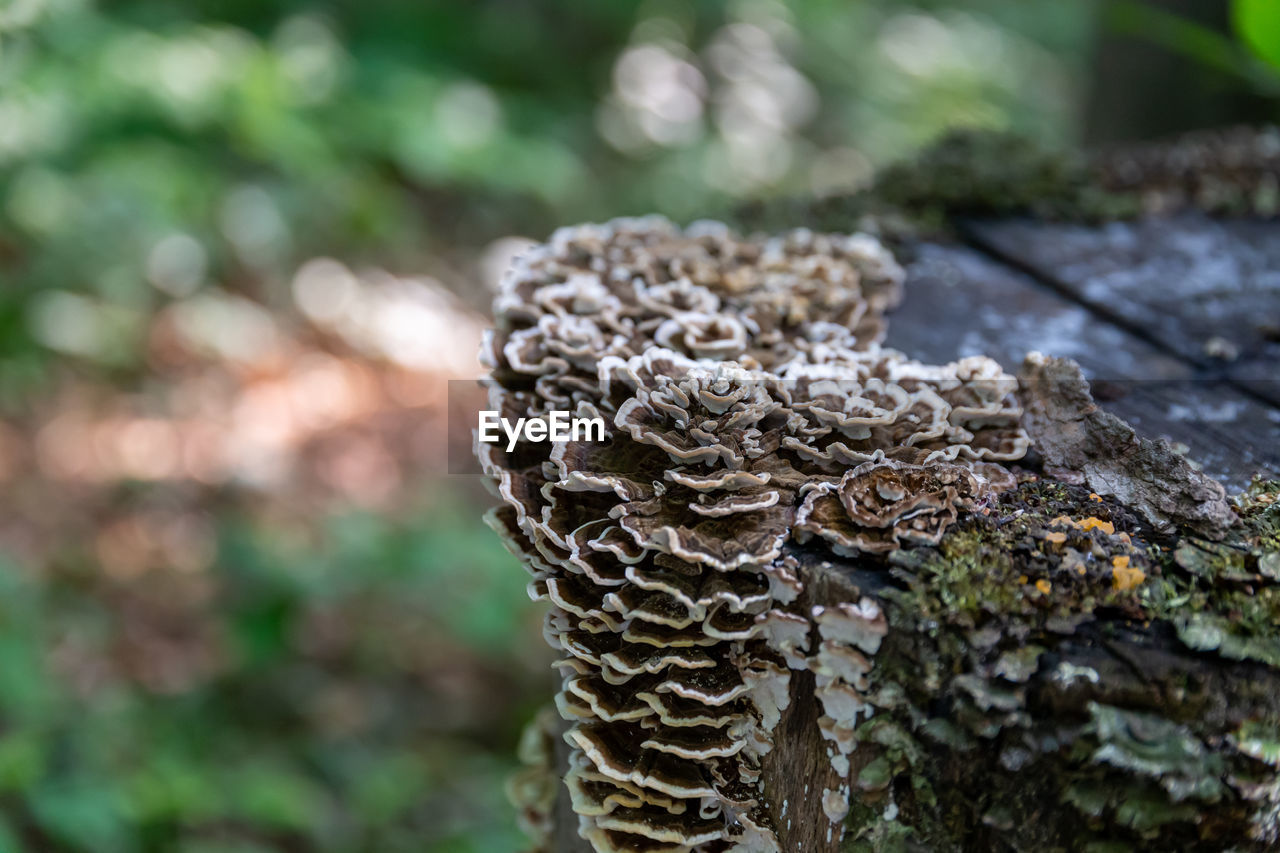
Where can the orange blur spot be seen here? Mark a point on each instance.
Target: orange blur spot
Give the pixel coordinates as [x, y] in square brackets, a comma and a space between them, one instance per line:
[1124, 578]
[1105, 526]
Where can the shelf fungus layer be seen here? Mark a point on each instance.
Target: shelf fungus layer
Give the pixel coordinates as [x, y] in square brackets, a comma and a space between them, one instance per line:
[747, 404]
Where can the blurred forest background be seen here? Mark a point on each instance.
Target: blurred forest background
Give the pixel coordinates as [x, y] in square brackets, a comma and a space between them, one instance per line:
[243, 245]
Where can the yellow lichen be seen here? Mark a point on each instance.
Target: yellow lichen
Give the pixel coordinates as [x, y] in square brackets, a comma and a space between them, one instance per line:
[1057, 537]
[1123, 577]
[1091, 522]
[1044, 586]
[1086, 524]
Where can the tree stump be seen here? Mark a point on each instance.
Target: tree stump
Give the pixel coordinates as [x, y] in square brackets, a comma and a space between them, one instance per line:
[1035, 622]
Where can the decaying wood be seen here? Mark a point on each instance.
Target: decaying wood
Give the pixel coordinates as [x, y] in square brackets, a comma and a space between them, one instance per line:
[1079, 443]
[799, 770]
[962, 302]
[1023, 722]
[1091, 662]
[1026, 699]
[1203, 289]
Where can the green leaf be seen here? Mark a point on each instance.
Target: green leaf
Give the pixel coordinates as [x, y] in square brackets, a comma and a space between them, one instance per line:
[1257, 22]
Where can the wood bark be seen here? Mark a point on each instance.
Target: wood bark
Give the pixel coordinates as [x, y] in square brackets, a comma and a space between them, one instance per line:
[1094, 664]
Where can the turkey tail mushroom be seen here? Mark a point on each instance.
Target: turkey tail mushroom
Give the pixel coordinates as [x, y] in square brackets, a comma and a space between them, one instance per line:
[746, 398]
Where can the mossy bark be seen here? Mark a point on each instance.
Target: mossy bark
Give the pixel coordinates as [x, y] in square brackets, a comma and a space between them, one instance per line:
[1093, 664]
[1070, 670]
[1060, 676]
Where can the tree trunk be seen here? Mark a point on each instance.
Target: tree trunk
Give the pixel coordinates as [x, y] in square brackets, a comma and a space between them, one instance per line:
[1013, 716]
[1087, 660]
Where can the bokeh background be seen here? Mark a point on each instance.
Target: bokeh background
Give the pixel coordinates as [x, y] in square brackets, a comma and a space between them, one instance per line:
[243, 246]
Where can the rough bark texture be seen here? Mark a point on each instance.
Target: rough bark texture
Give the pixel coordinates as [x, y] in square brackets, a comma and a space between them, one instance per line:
[1034, 694]
[1091, 663]
[1079, 443]
[799, 773]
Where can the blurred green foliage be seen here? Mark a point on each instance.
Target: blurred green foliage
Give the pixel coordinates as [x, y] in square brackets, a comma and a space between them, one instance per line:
[316, 731]
[263, 133]
[339, 679]
[1257, 22]
[1255, 26]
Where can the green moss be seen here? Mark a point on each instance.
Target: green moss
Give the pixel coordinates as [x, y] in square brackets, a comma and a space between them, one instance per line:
[983, 173]
[870, 833]
[1145, 808]
[965, 173]
[1039, 557]
[1046, 557]
[1259, 739]
[1224, 597]
[977, 173]
[999, 694]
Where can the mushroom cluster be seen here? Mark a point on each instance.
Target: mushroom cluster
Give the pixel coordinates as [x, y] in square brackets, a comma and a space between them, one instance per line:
[620, 288]
[747, 402]
[880, 506]
[850, 634]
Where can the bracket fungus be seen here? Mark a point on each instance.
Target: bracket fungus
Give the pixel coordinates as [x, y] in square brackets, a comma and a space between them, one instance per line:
[748, 403]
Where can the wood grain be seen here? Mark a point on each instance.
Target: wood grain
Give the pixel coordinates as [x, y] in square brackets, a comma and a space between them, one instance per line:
[960, 301]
